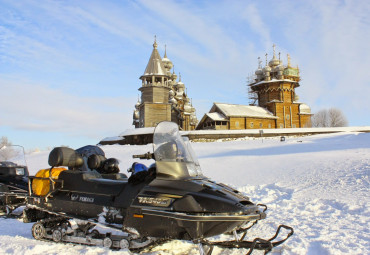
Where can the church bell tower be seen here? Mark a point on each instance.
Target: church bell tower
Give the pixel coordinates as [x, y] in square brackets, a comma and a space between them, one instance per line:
[162, 97]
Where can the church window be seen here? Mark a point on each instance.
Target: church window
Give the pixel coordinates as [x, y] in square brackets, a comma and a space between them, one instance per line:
[261, 125]
[281, 125]
[236, 123]
[269, 125]
[251, 124]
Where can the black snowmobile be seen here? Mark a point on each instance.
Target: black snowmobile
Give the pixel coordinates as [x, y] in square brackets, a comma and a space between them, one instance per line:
[169, 200]
[13, 179]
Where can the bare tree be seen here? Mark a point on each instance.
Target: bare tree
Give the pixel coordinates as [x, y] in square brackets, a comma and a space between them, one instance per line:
[320, 119]
[337, 118]
[329, 118]
[6, 151]
[4, 141]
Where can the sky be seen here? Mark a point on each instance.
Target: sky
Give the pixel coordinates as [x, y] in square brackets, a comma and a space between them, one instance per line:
[69, 70]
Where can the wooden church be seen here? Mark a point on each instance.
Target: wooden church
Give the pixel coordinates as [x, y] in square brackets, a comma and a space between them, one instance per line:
[163, 98]
[274, 102]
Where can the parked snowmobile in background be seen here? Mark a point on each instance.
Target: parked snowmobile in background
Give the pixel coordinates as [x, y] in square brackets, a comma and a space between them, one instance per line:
[13, 178]
[169, 200]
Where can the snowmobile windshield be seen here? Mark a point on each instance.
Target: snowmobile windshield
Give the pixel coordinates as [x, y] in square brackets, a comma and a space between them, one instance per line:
[173, 155]
[14, 156]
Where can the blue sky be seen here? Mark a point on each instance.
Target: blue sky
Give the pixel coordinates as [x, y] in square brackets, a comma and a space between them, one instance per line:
[69, 70]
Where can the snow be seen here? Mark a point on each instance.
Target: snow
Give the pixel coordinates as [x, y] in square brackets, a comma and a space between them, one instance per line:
[273, 80]
[279, 131]
[137, 131]
[112, 139]
[319, 185]
[244, 111]
[216, 116]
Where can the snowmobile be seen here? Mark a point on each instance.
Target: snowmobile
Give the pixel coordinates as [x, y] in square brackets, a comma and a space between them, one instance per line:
[168, 200]
[13, 179]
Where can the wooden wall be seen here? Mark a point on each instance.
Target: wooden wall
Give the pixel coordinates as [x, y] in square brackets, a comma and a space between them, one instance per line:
[286, 110]
[154, 94]
[251, 123]
[155, 113]
[305, 120]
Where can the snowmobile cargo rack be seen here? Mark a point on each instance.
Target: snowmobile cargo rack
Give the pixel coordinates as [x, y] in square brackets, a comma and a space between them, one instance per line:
[53, 184]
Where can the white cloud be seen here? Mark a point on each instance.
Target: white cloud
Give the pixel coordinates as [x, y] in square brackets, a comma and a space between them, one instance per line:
[257, 24]
[38, 107]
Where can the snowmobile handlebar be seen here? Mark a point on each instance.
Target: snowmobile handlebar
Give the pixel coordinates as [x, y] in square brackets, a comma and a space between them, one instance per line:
[147, 155]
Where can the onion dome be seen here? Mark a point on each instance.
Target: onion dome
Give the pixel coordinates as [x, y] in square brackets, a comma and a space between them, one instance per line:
[172, 101]
[274, 61]
[267, 69]
[259, 71]
[192, 109]
[166, 62]
[280, 67]
[296, 98]
[303, 108]
[193, 118]
[187, 106]
[180, 85]
[137, 104]
[136, 115]
[174, 76]
[171, 93]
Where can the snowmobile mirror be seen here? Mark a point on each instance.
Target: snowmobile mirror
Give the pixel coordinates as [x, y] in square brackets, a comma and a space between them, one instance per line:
[63, 156]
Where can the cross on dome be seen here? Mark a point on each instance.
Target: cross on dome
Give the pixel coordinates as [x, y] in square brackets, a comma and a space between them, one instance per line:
[155, 45]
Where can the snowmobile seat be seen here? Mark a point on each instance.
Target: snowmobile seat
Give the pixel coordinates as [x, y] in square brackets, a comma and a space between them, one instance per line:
[91, 181]
[64, 156]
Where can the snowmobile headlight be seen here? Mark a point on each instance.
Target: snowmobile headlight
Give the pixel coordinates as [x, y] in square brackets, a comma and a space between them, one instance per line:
[19, 171]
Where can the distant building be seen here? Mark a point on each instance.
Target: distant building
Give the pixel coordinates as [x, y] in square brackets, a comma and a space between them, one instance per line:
[163, 98]
[233, 116]
[273, 88]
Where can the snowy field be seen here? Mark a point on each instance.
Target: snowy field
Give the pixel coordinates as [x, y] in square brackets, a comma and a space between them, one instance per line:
[319, 185]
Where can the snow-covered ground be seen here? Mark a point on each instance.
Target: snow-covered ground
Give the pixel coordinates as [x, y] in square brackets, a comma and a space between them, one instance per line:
[319, 185]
